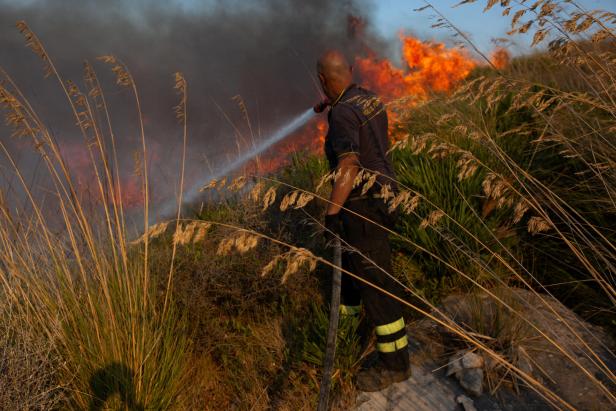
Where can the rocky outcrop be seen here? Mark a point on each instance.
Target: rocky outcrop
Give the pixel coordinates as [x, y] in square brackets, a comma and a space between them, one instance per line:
[467, 367]
[569, 356]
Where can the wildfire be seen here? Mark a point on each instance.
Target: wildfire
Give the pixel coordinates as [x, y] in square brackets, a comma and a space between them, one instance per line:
[430, 67]
[500, 58]
[427, 68]
[84, 177]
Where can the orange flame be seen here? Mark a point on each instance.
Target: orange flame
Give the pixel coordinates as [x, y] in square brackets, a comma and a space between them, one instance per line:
[430, 67]
[79, 162]
[500, 58]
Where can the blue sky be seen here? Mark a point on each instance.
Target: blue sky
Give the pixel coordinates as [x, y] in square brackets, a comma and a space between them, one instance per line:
[393, 15]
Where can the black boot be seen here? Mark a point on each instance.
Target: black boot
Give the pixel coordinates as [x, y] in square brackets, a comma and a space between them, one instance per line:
[379, 377]
[365, 331]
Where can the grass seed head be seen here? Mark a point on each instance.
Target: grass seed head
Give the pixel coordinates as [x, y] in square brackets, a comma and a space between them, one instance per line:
[269, 267]
[538, 225]
[368, 184]
[418, 144]
[402, 198]
[269, 198]
[34, 44]
[255, 192]
[432, 219]
[297, 258]
[209, 185]
[359, 177]
[242, 242]
[386, 192]
[237, 184]
[288, 200]
[181, 88]
[123, 77]
[326, 178]
[184, 235]
[15, 116]
[303, 200]
[467, 165]
[518, 212]
[154, 231]
[225, 246]
[411, 205]
[201, 231]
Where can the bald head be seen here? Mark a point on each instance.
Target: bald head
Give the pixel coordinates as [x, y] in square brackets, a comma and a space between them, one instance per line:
[335, 73]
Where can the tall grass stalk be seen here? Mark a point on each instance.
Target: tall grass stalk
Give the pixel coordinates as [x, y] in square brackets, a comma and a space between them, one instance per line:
[84, 291]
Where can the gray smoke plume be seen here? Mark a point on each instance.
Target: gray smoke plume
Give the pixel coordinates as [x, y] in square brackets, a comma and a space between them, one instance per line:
[263, 51]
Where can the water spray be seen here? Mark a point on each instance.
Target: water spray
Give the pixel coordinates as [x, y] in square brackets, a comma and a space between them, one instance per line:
[284, 131]
[278, 135]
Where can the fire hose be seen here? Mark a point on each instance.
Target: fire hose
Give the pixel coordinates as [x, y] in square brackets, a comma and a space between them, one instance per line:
[334, 316]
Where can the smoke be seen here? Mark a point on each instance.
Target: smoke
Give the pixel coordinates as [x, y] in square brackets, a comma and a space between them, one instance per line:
[263, 51]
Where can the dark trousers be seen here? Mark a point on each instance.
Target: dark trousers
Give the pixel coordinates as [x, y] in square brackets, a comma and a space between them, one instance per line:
[382, 311]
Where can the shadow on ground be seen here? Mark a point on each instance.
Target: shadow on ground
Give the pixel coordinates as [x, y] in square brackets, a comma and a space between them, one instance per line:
[109, 381]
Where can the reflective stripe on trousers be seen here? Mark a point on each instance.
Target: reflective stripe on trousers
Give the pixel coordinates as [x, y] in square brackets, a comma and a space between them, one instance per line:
[350, 309]
[389, 331]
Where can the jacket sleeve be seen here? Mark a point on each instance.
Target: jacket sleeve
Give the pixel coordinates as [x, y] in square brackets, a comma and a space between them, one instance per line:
[344, 131]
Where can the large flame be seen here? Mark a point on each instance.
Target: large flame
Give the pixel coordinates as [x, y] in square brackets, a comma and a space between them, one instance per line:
[427, 68]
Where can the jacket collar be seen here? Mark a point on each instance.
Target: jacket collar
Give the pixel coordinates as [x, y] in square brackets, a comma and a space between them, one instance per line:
[342, 93]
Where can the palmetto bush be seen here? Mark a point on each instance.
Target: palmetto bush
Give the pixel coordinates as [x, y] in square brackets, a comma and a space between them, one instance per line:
[519, 172]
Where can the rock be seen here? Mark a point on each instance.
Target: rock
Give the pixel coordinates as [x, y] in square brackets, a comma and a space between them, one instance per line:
[466, 403]
[471, 379]
[467, 367]
[432, 388]
[422, 392]
[472, 360]
[489, 361]
[523, 361]
[455, 363]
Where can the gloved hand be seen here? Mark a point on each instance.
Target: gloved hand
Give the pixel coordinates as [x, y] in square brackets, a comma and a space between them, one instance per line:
[321, 106]
[333, 226]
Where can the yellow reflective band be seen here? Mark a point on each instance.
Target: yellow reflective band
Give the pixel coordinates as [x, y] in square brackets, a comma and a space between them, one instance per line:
[393, 346]
[390, 328]
[350, 309]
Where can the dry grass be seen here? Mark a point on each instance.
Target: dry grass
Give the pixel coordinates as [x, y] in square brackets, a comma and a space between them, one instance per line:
[28, 366]
[84, 293]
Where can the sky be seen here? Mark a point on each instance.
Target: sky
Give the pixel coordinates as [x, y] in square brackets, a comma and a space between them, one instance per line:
[391, 16]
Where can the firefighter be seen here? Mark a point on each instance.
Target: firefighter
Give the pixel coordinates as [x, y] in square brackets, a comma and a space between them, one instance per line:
[357, 139]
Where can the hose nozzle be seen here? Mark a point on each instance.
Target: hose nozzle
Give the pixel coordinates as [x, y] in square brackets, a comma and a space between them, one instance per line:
[321, 106]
